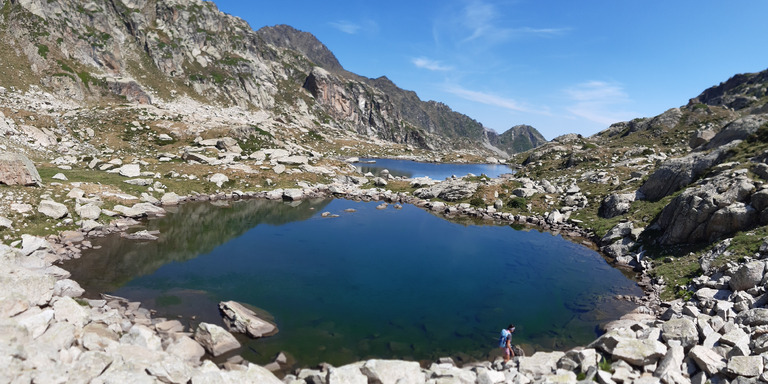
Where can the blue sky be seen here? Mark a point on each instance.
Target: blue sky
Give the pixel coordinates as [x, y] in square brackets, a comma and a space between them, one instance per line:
[561, 66]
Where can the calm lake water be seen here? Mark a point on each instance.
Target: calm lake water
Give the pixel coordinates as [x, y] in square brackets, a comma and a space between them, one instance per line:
[370, 283]
[435, 171]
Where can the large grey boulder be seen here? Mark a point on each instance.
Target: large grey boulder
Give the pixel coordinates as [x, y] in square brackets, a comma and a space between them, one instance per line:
[228, 144]
[219, 179]
[709, 211]
[540, 363]
[89, 365]
[683, 330]
[53, 209]
[216, 340]
[347, 374]
[747, 275]
[186, 349]
[88, 211]
[677, 173]
[130, 170]
[618, 231]
[67, 309]
[639, 352]
[449, 190]
[739, 129]
[17, 169]
[669, 366]
[393, 371]
[171, 369]
[707, 360]
[745, 366]
[170, 198]
[615, 205]
[240, 319]
[753, 317]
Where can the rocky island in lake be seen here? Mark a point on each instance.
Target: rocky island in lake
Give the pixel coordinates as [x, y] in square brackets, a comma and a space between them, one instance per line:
[116, 115]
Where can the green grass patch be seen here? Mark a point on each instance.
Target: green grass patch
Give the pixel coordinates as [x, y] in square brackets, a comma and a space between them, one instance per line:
[92, 176]
[42, 50]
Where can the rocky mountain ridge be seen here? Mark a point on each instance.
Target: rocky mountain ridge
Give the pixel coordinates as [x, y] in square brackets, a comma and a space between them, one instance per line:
[147, 50]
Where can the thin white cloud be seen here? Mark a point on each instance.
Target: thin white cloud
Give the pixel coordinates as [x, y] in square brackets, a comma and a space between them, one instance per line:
[486, 98]
[346, 26]
[432, 65]
[600, 102]
[480, 18]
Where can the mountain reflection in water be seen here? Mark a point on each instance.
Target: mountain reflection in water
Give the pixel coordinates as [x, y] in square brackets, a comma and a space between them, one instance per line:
[369, 283]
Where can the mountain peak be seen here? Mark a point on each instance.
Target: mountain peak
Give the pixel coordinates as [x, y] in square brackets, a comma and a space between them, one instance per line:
[285, 36]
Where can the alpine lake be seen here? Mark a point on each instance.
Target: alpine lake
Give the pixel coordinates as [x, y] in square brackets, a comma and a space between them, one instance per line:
[370, 283]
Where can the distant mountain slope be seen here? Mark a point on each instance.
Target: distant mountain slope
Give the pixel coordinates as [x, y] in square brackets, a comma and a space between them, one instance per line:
[143, 50]
[519, 138]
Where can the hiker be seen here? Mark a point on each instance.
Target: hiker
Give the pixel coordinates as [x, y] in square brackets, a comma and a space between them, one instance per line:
[505, 342]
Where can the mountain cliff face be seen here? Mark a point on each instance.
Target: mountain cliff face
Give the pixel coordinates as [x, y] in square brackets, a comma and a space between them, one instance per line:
[146, 50]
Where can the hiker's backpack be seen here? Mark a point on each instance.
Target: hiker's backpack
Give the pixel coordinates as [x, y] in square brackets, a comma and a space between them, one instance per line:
[503, 338]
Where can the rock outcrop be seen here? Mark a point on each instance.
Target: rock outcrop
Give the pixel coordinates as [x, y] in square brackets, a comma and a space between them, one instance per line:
[717, 207]
[17, 169]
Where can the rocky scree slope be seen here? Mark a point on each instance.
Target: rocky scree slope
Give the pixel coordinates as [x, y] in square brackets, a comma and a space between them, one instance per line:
[664, 191]
[144, 50]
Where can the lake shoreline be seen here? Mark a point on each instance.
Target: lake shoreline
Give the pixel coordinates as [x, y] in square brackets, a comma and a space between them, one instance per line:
[354, 193]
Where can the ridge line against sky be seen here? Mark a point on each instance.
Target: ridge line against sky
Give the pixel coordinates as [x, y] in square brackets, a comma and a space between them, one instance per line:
[560, 66]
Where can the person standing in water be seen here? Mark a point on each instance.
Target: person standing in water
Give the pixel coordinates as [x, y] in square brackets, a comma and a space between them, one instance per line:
[505, 342]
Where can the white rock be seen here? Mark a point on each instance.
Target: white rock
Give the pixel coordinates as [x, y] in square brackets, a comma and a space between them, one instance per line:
[171, 370]
[293, 194]
[30, 244]
[393, 371]
[53, 209]
[708, 360]
[142, 336]
[349, 374]
[278, 169]
[639, 352]
[218, 179]
[67, 309]
[88, 211]
[5, 222]
[216, 340]
[130, 170]
[540, 364]
[60, 176]
[67, 287]
[89, 365]
[749, 366]
[186, 349]
[35, 320]
[21, 208]
[240, 319]
[170, 198]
